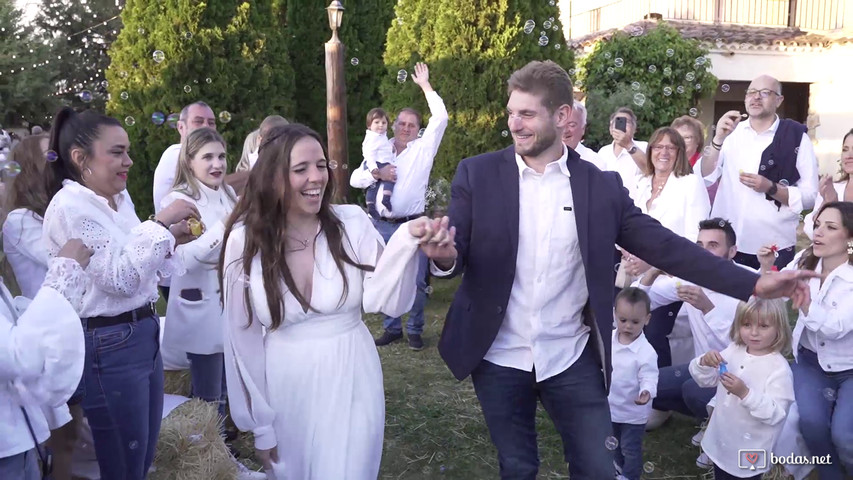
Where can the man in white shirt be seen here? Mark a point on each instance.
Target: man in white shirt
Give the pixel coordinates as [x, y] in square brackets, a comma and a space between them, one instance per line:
[625, 156]
[574, 132]
[745, 157]
[411, 173]
[193, 116]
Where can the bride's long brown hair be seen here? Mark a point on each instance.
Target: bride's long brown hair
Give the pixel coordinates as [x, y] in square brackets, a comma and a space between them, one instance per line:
[263, 208]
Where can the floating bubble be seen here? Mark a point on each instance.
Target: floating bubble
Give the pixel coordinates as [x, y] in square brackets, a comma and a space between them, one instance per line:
[667, 71]
[402, 75]
[86, 96]
[648, 467]
[555, 28]
[140, 31]
[195, 82]
[546, 24]
[829, 394]
[618, 62]
[763, 168]
[639, 99]
[552, 2]
[354, 61]
[667, 91]
[187, 35]
[557, 46]
[529, 26]
[671, 314]
[504, 133]
[784, 182]
[725, 87]
[693, 112]
[158, 118]
[158, 56]
[670, 52]
[542, 33]
[124, 95]
[697, 87]
[188, 88]
[718, 42]
[421, 132]
[635, 85]
[722, 224]
[551, 19]
[707, 151]
[572, 71]
[543, 41]
[122, 74]
[653, 68]
[129, 121]
[637, 31]
[208, 80]
[172, 120]
[105, 84]
[611, 443]
[333, 164]
[701, 61]
[11, 169]
[747, 436]
[677, 373]
[428, 291]
[224, 116]
[51, 156]
[133, 445]
[679, 89]
[610, 70]
[690, 76]
[607, 55]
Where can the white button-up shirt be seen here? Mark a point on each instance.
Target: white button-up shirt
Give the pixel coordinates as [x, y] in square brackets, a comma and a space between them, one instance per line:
[590, 156]
[635, 369]
[543, 326]
[164, 174]
[623, 164]
[756, 220]
[414, 164]
[23, 247]
[681, 205]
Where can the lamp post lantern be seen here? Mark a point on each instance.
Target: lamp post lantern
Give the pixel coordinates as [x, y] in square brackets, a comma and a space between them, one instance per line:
[336, 103]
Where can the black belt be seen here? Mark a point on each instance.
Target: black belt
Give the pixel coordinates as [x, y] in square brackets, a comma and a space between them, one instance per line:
[399, 220]
[126, 317]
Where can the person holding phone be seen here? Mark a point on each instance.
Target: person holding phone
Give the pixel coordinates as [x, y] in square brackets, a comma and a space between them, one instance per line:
[625, 156]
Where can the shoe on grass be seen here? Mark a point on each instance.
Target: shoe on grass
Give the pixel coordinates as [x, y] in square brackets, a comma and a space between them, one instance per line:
[387, 337]
[416, 343]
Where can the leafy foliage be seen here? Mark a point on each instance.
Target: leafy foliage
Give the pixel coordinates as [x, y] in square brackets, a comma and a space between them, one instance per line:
[659, 74]
[472, 47]
[231, 54]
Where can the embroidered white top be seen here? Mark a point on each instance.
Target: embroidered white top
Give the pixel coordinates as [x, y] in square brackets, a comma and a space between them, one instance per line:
[754, 422]
[635, 369]
[681, 205]
[25, 250]
[123, 272]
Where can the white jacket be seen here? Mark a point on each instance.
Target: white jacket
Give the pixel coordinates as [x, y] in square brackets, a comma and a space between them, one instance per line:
[197, 326]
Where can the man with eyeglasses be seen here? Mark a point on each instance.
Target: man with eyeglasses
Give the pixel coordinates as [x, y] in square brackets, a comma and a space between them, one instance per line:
[574, 132]
[768, 174]
[625, 156]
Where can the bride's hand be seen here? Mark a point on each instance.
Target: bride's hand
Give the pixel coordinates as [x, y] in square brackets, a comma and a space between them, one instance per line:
[441, 246]
[267, 457]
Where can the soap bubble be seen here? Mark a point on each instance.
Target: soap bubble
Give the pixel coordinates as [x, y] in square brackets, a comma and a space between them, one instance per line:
[428, 290]
[557, 46]
[572, 71]
[504, 133]
[402, 75]
[707, 151]
[122, 74]
[697, 87]
[105, 84]
[187, 35]
[679, 89]
[653, 68]
[421, 132]
[667, 91]
[140, 31]
[725, 87]
[224, 116]
[677, 373]
[208, 80]
[172, 120]
[158, 118]
[555, 28]
[639, 99]
[546, 24]
[718, 42]
[133, 445]
[51, 156]
[829, 394]
[667, 71]
[124, 95]
[607, 55]
[158, 56]
[129, 121]
[618, 62]
[784, 182]
[611, 443]
[670, 52]
[333, 164]
[86, 96]
[543, 41]
[747, 436]
[529, 26]
[701, 61]
[637, 31]
[610, 70]
[11, 169]
[635, 85]
[693, 112]
[188, 88]
[648, 467]
[552, 2]
[690, 76]
[354, 61]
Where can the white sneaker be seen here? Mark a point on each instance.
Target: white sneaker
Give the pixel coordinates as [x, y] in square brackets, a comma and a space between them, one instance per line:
[243, 472]
[702, 461]
[697, 439]
[656, 419]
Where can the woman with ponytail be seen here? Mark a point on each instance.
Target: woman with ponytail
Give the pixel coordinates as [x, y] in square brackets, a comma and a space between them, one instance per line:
[122, 385]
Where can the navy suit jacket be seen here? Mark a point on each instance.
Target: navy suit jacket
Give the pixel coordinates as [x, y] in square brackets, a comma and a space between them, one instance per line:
[484, 208]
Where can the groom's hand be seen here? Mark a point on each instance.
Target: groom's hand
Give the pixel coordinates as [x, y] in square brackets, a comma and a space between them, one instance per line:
[792, 284]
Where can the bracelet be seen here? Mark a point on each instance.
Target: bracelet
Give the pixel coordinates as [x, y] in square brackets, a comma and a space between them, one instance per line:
[716, 146]
[153, 219]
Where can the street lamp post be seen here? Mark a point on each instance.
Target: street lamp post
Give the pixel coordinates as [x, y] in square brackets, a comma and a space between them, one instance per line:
[336, 103]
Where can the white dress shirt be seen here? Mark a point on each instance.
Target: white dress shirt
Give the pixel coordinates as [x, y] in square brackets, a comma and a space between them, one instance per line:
[635, 369]
[623, 164]
[414, 164]
[123, 272]
[808, 223]
[41, 355]
[681, 205]
[376, 148]
[752, 423]
[543, 326]
[590, 156]
[164, 174]
[756, 220]
[828, 327]
[25, 250]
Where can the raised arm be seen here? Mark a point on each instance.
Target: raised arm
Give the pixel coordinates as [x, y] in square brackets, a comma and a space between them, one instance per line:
[434, 131]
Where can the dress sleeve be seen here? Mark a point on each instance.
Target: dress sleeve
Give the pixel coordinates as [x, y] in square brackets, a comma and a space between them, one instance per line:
[245, 370]
[24, 230]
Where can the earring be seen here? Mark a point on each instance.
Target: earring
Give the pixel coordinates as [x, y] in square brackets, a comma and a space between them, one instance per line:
[87, 170]
[850, 247]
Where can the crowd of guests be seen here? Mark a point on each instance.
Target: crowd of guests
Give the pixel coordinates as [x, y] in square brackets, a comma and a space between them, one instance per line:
[265, 282]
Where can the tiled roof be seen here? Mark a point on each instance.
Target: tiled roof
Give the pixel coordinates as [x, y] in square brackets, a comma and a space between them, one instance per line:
[728, 36]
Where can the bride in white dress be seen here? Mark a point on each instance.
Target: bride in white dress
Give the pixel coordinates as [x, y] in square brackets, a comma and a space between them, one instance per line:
[302, 369]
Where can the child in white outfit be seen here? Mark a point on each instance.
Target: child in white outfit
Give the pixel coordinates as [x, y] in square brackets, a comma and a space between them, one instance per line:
[634, 380]
[378, 152]
[755, 387]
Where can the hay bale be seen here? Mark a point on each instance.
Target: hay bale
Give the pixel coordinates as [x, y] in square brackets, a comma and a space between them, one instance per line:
[177, 382]
[190, 446]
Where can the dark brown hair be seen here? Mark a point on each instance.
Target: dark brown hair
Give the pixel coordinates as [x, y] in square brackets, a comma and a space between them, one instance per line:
[682, 165]
[634, 296]
[262, 209]
[377, 112]
[30, 187]
[809, 260]
[546, 79]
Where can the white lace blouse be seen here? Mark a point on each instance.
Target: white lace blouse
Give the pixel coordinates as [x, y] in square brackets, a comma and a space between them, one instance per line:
[129, 254]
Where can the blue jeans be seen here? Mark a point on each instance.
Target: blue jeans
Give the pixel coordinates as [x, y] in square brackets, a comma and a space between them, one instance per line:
[23, 466]
[574, 399]
[660, 325]
[825, 402]
[629, 453]
[678, 392]
[207, 373]
[123, 400]
[415, 325]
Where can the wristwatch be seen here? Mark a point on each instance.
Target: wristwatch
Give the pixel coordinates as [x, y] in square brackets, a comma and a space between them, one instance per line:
[632, 150]
[773, 189]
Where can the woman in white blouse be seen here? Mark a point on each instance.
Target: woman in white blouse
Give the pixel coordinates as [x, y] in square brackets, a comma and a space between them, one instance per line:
[833, 190]
[302, 368]
[823, 340]
[194, 317]
[122, 384]
[41, 359]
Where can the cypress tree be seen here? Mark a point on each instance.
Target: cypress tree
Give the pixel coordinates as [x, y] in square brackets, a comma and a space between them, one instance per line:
[472, 47]
[231, 54]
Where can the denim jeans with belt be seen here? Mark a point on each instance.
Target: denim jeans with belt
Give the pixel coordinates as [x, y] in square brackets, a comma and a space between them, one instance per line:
[825, 402]
[23, 466]
[415, 324]
[207, 374]
[123, 395]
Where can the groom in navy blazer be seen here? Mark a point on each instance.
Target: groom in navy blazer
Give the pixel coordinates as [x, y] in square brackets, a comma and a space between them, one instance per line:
[479, 338]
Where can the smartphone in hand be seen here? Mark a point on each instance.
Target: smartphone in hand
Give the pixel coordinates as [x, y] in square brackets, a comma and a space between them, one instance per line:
[621, 123]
